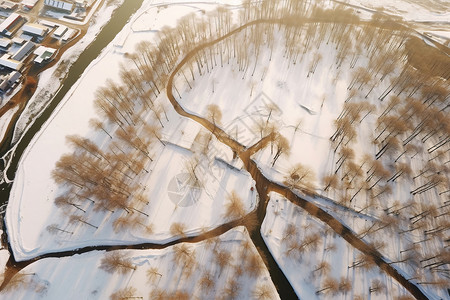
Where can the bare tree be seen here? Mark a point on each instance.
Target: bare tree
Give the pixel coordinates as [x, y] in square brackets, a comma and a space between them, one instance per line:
[254, 265]
[185, 258]
[116, 261]
[263, 292]
[214, 114]
[223, 258]
[234, 209]
[98, 125]
[377, 287]
[345, 285]
[20, 281]
[125, 293]
[153, 274]
[207, 282]
[283, 147]
[329, 285]
[330, 181]
[300, 176]
[53, 228]
[232, 289]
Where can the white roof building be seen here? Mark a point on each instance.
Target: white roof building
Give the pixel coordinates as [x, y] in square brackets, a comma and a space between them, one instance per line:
[9, 22]
[23, 51]
[43, 53]
[29, 3]
[5, 43]
[69, 33]
[34, 29]
[6, 61]
[48, 23]
[61, 5]
[60, 31]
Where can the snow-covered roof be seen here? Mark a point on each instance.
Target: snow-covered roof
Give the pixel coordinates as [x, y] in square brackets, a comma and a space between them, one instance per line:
[48, 23]
[29, 3]
[14, 76]
[59, 4]
[35, 29]
[23, 51]
[9, 21]
[60, 31]
[6, 61]
[4, 43]
[43, 53]
[69, 33]
[18, 40]
[8, 5]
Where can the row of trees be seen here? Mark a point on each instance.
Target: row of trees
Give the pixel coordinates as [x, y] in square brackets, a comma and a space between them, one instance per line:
[234, 267]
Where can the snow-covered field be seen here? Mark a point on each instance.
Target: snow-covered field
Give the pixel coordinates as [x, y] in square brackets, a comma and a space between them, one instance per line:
[33, 186]
[410, 10]
[328, 257]
[198, 270]
[300, 98]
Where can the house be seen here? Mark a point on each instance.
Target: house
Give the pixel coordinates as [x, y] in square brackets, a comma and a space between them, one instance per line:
[23, 52]
[7, 62]
[6, 5]
[35, 29]
[59, 32]
[68, 35]
[11, 24]
[43, 54]
[8, 81]
[63, 6]
[29, 4]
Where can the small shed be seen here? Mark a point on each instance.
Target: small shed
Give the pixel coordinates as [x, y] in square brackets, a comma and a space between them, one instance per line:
[5, 44]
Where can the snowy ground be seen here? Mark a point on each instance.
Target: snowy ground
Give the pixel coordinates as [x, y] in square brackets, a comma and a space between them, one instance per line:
[410, 10]
[303, 109]
[33, 186]
[337, 254]
[80, 276]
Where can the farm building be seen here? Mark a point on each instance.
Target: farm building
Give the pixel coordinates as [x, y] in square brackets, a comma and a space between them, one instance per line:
[7, 62]
[23, 52]
[29, 4]
[43, 54]
[60, 5]
[34, 29]
[59, 32]
[8, 5]
[9, 80]
[11, 24]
